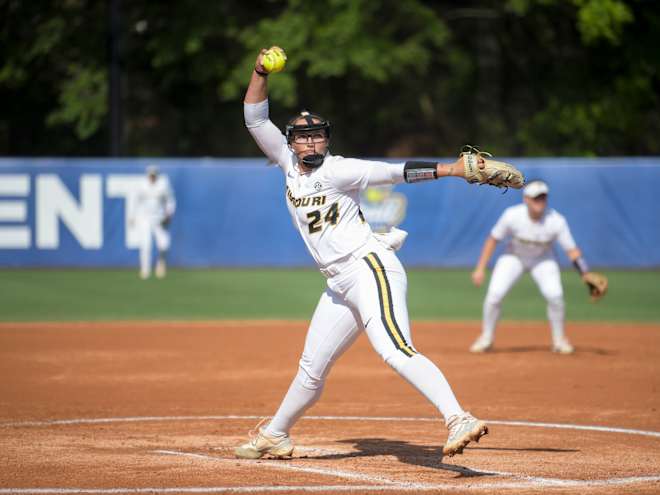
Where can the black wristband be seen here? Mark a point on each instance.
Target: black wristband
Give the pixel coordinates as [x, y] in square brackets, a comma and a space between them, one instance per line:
[418, 171]
[581, 265]
[264, 74]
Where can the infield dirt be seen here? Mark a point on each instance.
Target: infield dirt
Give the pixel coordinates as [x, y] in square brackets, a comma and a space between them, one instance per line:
[177, 397]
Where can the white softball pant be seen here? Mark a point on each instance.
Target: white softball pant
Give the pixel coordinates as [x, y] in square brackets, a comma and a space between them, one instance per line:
[150, 228]
[508, 269]
[368, 294]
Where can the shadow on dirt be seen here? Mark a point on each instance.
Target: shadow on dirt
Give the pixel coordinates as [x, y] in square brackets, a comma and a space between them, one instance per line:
[506, 449]
[546, 350]
[417, 455]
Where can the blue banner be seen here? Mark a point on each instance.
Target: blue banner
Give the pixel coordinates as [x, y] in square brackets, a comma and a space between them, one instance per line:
[232, 212]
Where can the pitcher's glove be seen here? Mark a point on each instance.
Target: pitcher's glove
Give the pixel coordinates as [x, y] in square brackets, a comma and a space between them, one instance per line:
[494, 173]
[165, 222]
[597, 284]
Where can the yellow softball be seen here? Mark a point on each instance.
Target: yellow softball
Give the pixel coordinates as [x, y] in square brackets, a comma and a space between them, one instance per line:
[274, 59]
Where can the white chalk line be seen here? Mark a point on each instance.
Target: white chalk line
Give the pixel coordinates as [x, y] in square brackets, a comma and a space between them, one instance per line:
[136, 419]
[285, 466]
[607, 429]
[129, 419]
[523, 480]
[511, 485]
[382, 484]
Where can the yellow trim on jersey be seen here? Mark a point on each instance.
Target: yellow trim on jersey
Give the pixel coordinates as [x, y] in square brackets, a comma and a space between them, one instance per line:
[386, 306]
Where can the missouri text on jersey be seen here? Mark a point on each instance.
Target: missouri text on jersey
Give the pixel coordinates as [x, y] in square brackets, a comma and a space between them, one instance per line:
[309, 201]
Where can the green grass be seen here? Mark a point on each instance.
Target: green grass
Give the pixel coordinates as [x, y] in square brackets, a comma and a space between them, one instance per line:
[60, 295]
[633, 296]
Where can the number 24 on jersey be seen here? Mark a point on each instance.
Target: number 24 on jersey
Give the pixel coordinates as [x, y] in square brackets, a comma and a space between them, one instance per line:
[331, 217]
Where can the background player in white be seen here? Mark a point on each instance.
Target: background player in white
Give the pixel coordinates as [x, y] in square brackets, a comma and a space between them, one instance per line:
[366, 286]
[154, 207]
[532, 228]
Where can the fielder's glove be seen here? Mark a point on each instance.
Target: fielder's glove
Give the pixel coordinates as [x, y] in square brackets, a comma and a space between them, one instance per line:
[165, 222]
[597, 284]
[498, 174]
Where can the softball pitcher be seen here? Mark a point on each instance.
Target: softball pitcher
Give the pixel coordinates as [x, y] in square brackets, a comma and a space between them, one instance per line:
[532, 228]
[154, 206]
[366, 283]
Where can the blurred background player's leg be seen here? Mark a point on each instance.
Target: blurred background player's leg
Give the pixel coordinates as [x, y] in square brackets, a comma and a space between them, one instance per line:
[507, 271]
[145, 247]
[162, 237]
[547, 276]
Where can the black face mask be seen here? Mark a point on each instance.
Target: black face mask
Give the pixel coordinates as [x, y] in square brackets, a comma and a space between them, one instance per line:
[313, 161]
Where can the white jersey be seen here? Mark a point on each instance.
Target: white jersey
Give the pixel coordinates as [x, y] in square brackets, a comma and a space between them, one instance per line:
[324, 203]
[155, 199]
[531, 239]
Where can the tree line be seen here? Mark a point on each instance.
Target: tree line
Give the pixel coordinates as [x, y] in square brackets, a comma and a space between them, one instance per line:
[395, 77]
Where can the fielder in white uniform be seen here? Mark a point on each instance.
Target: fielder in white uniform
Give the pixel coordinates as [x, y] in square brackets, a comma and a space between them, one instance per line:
[366, 283]
[154, 207]
[531, 228]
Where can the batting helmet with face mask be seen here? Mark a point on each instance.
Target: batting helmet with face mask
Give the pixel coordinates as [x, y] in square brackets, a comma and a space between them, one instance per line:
[313, 122]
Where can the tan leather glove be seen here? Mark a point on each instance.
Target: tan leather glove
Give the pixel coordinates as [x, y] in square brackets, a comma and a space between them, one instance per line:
[494, 173]
[597, 284]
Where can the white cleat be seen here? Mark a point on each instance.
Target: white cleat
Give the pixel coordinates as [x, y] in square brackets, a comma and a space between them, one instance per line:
[161, 269]
[262, 443]
[144, 275]
[463, 429]
[563, 346]
[482, 344]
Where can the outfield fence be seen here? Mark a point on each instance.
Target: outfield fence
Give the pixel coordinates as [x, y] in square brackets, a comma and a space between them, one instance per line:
[232, 212]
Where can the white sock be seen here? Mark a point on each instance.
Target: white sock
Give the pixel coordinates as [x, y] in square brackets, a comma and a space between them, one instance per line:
[426, 377]
[491, 315]
[303, 393]
[556, 317]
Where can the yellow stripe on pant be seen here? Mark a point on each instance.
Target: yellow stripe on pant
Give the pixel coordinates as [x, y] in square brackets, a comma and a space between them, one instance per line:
[386, 306]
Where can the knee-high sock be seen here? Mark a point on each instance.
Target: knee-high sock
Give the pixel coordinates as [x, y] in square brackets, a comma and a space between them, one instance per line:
[490, 317]
[556, 316]
[426, 377]
[145, 258]
[303, 393]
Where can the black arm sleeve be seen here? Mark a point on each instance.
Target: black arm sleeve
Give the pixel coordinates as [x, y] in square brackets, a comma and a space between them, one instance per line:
[415, 171]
